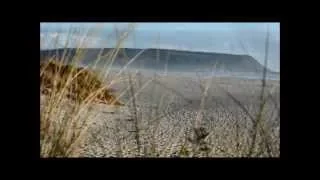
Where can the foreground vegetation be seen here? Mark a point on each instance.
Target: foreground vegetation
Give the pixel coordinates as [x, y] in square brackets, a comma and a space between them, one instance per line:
[71, 92]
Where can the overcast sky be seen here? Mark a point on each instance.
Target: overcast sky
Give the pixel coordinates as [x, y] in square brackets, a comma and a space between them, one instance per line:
[235, 38]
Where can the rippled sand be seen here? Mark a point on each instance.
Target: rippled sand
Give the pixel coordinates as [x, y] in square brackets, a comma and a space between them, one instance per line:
[166, 109]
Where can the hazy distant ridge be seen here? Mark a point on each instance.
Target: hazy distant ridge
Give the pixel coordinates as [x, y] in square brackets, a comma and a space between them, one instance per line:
[175, 59]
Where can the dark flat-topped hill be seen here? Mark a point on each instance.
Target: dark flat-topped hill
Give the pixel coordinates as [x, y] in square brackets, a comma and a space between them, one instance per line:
[172, 59]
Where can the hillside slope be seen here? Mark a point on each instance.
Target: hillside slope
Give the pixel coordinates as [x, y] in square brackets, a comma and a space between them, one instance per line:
[172, 59]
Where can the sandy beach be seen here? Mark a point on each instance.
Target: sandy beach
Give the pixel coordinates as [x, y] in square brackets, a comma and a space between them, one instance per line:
[167, 107]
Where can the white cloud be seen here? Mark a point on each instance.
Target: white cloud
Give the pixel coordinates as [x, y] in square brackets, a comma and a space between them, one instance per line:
[53, 35]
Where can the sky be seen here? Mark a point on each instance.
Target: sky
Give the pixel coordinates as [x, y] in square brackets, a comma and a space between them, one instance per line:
[234, 38]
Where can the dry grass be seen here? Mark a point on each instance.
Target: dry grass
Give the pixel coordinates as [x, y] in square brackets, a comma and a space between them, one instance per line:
[83, 87]
[64, 122]
[172, 123]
